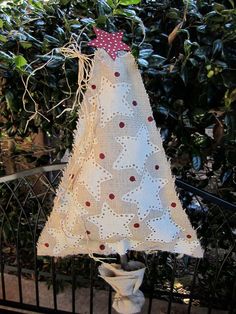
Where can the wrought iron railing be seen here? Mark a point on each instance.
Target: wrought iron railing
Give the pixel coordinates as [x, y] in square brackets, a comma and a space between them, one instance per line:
[25, 201]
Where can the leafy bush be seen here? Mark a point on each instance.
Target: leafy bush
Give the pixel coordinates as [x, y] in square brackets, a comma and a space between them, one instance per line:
[187, 61]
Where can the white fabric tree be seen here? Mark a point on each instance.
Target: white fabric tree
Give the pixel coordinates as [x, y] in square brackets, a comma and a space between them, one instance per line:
[117, 192]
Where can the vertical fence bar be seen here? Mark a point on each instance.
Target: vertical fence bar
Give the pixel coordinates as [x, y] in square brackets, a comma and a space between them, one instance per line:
[18, 265]
[73, 286]
[2, 276]
[91, 285]
[172, 286]
[36, 282]
[193, 285]
[155, 261]
[233, 300]
[53, 272]
[109, 300]
[2, 264]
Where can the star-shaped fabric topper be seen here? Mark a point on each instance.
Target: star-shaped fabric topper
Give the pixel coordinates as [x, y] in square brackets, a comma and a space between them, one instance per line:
[111, 42]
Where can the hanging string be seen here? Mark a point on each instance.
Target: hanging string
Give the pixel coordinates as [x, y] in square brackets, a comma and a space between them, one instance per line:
[70, 50]
[85, 63]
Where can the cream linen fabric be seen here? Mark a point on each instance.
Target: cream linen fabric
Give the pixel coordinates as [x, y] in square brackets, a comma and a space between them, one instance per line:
[128, 298]
[117, 192]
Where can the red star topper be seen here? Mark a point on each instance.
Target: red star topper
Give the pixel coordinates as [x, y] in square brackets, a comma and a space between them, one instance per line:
[110, 42]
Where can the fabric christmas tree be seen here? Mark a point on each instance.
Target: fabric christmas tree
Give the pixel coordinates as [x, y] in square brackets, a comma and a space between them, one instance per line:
[117, 192]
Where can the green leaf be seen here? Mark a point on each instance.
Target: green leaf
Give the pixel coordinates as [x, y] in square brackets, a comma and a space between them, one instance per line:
[217, 47]
[1, 23]
[20, 61]
[25, 44]
[229, 98]
[101, 20]
[10, 101]
[143, 62]
[64, 2]
[4, 56]
[129, 2]
[111, 3]
[125, 12]
[3, 38]
[145, 53]
[196, 162]
[156, 60]
[52, 40]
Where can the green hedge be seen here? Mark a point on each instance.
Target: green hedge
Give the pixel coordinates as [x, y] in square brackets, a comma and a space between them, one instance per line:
[189, 73]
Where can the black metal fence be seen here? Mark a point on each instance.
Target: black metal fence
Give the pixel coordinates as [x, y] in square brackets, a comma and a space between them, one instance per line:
[26, 199]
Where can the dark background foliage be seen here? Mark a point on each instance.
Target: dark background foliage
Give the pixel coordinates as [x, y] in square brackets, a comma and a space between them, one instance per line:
[187, 62]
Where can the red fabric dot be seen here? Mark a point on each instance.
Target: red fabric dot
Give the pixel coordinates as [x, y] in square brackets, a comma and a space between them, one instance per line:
[173, 204]
[132, 178]
[150, 119]
[117, 74]
[157, 167]
[101, 156]
[46, 244]
[87, 203]
[102, 247]
[94, 86]
[136, 225]
[134, 103]
[189, 236]
[88, 232]
[121, 125]
[111, 196]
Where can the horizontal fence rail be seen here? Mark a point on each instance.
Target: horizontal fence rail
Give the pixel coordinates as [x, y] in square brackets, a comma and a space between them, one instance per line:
[25, 202]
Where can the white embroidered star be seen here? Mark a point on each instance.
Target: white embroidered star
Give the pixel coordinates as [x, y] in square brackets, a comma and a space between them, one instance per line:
[92, 175]
[146, 195]
[112, 100]
[110, 223]
[186, 247]
[135, 151]
[63, 241]
[163, 228]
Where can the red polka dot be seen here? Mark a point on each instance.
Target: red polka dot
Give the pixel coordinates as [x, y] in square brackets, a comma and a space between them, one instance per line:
[102, 247]
[111, 196]
[136, 225]
[117, 74]
[46, 244]
[173, 204]
[101, 156]
[87, 203]
[88, 232]
[134, 103]
[189, 236]
[132, 178]
[150, 119]
[121, 125]
[157, 167]
[94, 86]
